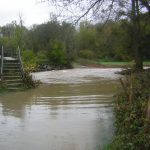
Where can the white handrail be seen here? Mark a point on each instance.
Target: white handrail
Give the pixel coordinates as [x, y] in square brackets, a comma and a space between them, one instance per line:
[20, 60]
[2, 60]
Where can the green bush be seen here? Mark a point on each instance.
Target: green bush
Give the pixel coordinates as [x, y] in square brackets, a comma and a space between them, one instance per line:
[58, 57]
[132, 124]
[29, 61]
[87, 54]
[28, 81]
[41, 58]
[28, 57]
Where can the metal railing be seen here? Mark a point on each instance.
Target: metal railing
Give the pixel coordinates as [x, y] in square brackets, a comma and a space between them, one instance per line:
[2, 62]
[13, 54]
[20, 61]
[10, 53]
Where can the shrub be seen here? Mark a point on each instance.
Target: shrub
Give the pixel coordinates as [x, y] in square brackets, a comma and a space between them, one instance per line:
[28, 81]
[41, 58]
[30, 67]
[87, 54]
[28, 57]
[29, 61]
[58, 57]
[132, 124]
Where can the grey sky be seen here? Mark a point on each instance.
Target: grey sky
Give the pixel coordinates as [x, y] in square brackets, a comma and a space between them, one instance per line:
[31, 11]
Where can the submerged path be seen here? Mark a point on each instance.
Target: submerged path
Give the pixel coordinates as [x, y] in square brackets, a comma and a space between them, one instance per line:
[78, 75]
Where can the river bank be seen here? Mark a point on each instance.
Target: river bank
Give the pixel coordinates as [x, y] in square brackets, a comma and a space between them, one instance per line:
[107, 64]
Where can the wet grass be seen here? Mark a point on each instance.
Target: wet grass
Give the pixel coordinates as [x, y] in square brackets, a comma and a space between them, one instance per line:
[147, 63]
[102, 63]
[118, 63]
[115, 63]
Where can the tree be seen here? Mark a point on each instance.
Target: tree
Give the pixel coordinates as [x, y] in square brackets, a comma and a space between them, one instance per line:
[13, 35]
[113, 8]
[113, 41]
[137, 29]
[19, 32]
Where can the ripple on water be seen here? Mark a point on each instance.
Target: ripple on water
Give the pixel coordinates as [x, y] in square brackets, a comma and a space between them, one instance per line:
[77, 75]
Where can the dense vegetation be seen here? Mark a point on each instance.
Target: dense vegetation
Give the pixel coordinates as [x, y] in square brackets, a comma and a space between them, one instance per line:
[59, 44]
[132, 111]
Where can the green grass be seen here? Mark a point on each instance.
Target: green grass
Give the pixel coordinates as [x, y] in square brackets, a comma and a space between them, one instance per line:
[147, 63]
[108, 63]
[117, 63]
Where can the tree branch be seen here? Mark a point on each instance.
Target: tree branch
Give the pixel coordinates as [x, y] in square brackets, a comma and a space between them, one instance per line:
[88, 10]
[146, 4]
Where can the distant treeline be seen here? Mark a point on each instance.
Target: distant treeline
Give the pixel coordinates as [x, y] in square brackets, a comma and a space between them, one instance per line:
[61, 43]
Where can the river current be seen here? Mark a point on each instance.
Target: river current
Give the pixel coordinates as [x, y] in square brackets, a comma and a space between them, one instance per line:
[70, 110]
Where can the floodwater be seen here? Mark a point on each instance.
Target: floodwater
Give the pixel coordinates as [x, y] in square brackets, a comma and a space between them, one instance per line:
[73, 111]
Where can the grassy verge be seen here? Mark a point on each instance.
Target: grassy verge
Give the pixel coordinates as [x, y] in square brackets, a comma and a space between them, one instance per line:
[147, 63]
[121, 63]
[115, 64]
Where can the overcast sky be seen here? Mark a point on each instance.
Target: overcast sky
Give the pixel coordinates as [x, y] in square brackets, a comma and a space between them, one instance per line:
[31, 11]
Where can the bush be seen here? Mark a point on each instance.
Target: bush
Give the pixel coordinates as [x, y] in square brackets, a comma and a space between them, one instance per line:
[29, 61]
[131, 105]
[58, 57]
[87, 54]
[28, 81]
[41, 58]
[28, 57]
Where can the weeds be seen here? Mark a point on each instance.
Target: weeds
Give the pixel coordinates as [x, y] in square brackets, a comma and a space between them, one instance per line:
[132, 113]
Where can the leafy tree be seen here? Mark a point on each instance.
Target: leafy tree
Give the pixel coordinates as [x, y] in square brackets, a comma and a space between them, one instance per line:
[13, 35]
[57, 56]
[87, 36]
[100, 8]
[28, 57]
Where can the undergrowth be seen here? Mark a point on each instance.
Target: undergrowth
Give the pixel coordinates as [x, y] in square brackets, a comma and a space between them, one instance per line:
[132, 114]
[28, 80]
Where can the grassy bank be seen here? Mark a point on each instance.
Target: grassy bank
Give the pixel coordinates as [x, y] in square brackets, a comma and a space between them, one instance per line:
[132, 114]
[100, 63]
[146, 63]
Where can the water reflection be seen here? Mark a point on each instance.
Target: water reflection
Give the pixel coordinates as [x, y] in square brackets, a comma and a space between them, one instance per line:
[58, 117]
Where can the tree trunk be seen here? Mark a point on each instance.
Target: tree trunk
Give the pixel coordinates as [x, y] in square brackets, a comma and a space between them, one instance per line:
[148, 110]
[136, 35]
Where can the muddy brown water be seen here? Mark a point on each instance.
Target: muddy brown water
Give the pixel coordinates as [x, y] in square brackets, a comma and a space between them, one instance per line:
[61, 115]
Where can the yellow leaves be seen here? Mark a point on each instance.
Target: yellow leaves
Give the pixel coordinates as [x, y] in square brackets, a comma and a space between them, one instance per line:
[30, 67]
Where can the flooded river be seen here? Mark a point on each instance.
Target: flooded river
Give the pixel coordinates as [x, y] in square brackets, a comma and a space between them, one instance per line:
[71, 110]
